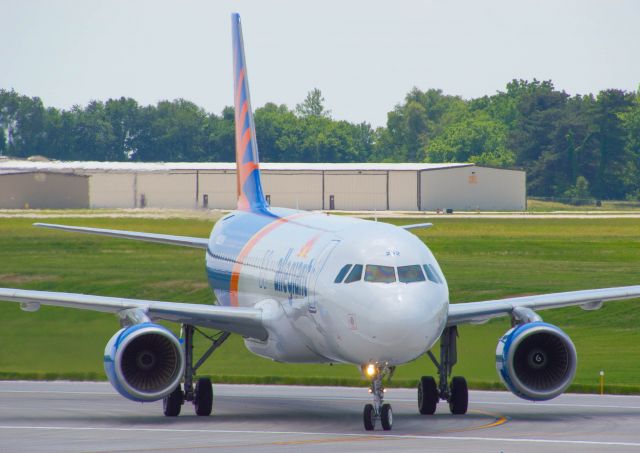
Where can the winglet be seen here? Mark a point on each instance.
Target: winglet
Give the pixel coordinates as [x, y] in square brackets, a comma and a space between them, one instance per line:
[249, 187]
[416, 226]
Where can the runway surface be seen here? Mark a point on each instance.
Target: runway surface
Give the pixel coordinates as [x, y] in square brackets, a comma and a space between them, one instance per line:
[82, 416]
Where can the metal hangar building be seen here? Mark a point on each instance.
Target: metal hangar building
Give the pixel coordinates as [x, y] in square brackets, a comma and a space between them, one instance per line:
[309, 186]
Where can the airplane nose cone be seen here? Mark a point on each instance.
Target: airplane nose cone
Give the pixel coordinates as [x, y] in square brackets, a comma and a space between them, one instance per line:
[403, 324]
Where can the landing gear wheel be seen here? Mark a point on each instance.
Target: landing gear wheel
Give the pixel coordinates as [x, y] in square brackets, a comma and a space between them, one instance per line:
[428, 396]
[369, 417]
[171, 404]
[386, 417]
[203, 400]
[459, 399]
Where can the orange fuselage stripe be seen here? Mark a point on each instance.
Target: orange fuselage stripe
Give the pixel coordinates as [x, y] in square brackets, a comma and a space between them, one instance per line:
[235, 273]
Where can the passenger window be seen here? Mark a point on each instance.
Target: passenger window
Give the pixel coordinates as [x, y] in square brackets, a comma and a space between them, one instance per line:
[355, 274]
[342, 273]
[379, 274]
[410, 274]
[432, 275]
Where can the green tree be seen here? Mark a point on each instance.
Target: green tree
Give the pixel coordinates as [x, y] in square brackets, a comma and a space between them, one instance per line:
[94, 137]
[410, 126]
[615, 162]
[9, 104]
[313, 105]
[171, 132]
[630, 119]
[279, 134]
[579, 194]
[475, 138]
[3, 141]
[60, 132]
[219, 145]
[122, 114]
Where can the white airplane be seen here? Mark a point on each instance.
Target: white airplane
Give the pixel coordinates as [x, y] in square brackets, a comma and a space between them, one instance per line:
[309, 287]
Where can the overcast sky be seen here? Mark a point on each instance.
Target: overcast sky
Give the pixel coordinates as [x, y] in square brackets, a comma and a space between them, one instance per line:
[364, 55]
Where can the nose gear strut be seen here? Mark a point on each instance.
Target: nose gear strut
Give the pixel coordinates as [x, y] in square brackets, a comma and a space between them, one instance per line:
[379, 410]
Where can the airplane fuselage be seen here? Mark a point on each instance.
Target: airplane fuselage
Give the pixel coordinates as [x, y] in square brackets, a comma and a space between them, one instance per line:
[389, 310]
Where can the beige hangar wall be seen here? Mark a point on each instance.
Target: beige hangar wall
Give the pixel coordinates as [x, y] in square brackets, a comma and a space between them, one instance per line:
[401, 187]
[220, 188]
[470, 188]
[366, 190]
[288, 189]
[167, 190]
[112, 190]
[403, 193]
[43, 190]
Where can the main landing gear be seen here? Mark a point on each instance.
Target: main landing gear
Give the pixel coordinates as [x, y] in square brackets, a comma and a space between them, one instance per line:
[378, 410]
[202, 394]
[455, 392]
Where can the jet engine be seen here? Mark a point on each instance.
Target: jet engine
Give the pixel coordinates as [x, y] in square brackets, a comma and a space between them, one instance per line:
[536, 361]
[144, 362]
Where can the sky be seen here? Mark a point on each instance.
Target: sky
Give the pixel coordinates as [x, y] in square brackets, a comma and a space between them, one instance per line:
[364, 56]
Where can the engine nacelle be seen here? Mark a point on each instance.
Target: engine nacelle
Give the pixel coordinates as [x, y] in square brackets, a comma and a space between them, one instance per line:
[536, 361]
[144, 362]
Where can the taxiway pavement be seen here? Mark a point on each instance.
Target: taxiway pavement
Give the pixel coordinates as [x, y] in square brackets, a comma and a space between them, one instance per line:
[92, 417]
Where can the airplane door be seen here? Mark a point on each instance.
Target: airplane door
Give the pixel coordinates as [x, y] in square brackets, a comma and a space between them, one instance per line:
[322, 260]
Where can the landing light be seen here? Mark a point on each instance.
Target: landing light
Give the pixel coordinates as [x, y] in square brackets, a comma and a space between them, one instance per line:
[371, 370]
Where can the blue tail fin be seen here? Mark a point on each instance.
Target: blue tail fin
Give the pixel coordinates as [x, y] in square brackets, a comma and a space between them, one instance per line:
[250, 195]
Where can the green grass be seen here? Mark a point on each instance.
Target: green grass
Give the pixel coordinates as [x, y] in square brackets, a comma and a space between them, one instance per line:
[536, 205]
[482, 259]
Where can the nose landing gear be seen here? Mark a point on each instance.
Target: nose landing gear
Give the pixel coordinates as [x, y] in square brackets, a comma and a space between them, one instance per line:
[378, 410]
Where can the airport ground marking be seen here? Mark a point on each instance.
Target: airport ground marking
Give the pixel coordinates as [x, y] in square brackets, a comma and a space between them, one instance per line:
[306, 433]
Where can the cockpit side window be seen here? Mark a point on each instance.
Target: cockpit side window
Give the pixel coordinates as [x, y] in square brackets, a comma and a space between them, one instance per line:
[379, 274]
[410, 274]
[355, 274]
[342, 273]
[432, 275]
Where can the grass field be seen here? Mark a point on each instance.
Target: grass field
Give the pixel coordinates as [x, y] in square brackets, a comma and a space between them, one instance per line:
[482, 259]
[537, 205]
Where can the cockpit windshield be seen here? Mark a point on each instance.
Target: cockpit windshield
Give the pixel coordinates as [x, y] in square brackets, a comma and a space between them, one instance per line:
[342, 273]
[410, 274]
[432, 274]
[379, 274]
[355, 274]
[387, 274]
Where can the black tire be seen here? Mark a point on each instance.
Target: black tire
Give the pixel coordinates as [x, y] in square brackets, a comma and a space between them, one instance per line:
[428, 396]
[369, 417]
[203, 400]
[171, 404]
[459, 400]
[386, 417]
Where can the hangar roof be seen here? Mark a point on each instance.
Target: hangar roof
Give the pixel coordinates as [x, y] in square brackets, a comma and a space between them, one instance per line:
[7, 166]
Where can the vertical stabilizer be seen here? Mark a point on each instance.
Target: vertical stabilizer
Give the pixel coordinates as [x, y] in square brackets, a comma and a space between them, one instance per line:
[249, 187]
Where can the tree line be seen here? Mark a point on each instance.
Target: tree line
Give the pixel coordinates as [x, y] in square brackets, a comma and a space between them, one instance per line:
[571, 146]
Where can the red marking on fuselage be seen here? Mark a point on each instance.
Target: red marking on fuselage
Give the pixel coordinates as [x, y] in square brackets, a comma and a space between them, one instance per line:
[237, 266]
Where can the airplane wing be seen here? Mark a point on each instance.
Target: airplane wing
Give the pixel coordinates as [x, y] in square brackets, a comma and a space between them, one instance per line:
[185, 241]
[243, 321]
[590, 299]
[416, 226]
